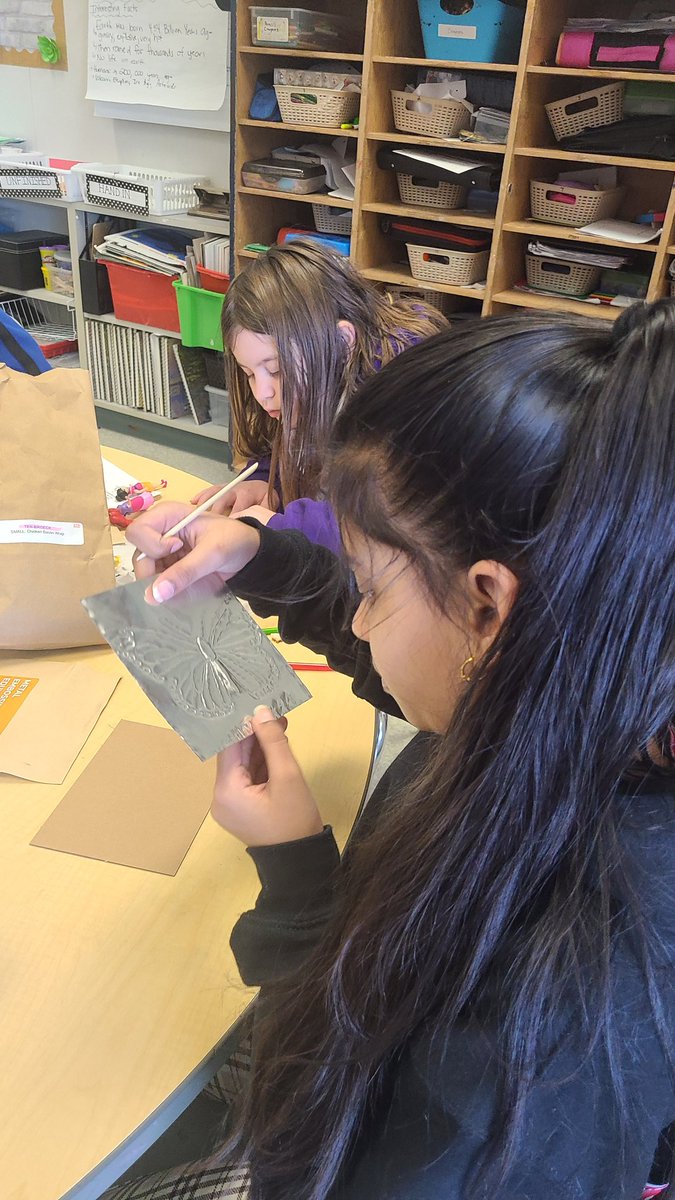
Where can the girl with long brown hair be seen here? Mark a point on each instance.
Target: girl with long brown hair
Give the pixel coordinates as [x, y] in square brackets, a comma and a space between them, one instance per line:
[302, 330]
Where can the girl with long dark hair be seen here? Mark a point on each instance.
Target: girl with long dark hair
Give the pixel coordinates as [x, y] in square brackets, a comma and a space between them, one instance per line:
[478, 1000]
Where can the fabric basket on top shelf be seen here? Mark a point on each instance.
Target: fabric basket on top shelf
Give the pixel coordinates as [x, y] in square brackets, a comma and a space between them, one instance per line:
[586, 110]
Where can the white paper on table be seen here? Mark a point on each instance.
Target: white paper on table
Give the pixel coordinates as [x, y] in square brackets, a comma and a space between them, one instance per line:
[622, 231]
[114, 478]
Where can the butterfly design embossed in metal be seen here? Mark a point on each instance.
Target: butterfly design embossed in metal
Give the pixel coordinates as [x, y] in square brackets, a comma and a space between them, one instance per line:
[204, 666]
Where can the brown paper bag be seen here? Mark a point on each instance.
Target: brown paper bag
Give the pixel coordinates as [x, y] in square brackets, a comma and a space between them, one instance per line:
[55, 542]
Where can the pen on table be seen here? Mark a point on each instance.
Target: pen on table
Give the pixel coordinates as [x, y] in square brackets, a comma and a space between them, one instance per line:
[310, 666]
[202, 508]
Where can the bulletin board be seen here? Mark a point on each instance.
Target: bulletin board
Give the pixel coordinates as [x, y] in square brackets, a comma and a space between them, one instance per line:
[22, 22]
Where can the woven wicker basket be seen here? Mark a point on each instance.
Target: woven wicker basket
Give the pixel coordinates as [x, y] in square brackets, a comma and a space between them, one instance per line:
[429, 117]
[434, 264]
[557, 275]
[439, 195]
[316, 106]
[586, 110]
[332, 220]
[586, 205]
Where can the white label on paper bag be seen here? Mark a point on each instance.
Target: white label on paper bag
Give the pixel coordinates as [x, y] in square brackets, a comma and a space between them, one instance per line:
[272, 29]
[53, 533]
[468, 32]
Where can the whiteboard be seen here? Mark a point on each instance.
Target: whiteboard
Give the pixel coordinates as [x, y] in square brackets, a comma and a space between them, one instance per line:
[158, 53]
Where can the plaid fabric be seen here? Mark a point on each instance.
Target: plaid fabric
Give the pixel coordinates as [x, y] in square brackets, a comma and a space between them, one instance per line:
[233, 1076]
[194, 1181]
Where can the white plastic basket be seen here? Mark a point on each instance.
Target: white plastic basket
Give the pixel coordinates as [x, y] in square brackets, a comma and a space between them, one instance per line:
[26, 156]
[435, 264]
[421, 295]
[28, 180]
[317, 106]
[583, 205]
[559, 275]
[430, 195]
[135, 190]
[427, 116]
[586, 110]
[332, 220]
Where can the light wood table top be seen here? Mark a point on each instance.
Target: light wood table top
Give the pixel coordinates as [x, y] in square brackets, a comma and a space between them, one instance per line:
[118, 984]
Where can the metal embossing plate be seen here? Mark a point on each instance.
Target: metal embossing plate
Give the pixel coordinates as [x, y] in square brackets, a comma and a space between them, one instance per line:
[200, 658]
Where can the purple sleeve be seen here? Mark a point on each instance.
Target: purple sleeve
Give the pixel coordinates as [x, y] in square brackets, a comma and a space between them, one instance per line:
[263, 469]
[314, 518]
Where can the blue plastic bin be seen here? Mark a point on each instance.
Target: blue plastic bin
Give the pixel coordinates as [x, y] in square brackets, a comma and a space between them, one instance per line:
[466, 31]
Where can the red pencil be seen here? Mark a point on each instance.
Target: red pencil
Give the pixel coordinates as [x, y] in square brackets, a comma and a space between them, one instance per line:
[310, 666]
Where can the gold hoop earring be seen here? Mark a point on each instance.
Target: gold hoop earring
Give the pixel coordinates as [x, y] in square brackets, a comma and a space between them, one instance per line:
[463, 669]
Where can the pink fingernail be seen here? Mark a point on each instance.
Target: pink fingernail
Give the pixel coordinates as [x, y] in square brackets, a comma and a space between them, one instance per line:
[263, 713]
[163, 590]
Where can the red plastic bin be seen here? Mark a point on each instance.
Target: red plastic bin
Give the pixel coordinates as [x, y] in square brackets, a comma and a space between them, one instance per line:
[213, 281]
[143, 297]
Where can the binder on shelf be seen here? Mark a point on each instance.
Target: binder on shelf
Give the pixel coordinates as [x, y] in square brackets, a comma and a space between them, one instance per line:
[443, 168]
[192, 368]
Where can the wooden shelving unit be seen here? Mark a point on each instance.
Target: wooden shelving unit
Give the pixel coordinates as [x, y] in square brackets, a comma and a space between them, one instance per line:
[392, 53]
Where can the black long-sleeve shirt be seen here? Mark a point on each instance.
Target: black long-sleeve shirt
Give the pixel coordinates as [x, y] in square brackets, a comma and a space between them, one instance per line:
[425, 1138]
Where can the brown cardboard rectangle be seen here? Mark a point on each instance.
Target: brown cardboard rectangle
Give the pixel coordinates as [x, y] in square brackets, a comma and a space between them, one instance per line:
[140, 802]
[48, 730]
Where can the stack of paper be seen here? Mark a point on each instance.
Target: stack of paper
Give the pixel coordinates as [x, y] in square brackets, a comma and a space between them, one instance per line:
[588, 257]
[159, 250]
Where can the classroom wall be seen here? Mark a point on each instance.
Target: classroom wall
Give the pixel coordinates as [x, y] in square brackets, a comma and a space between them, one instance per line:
[48, 108]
